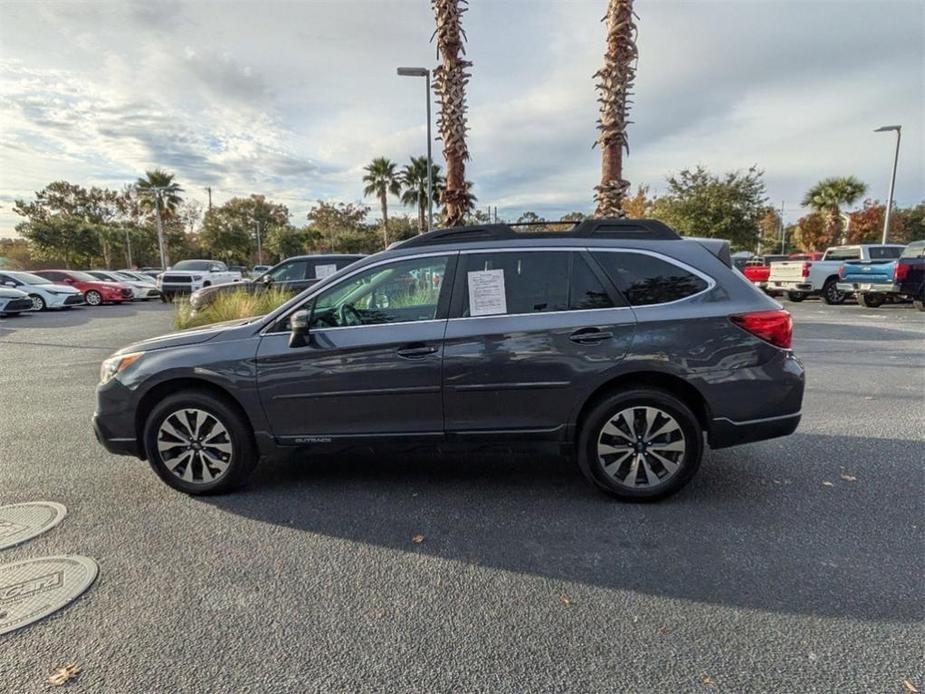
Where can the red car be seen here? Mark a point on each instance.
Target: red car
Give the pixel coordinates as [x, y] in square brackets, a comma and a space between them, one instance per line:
[95, 291]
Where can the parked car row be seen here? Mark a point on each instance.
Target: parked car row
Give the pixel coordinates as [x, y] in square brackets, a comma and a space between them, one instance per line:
[57, 289]
[873, 273]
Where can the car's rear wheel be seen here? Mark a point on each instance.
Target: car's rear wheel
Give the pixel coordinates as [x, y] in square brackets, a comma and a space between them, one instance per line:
[796, 297]
[93, 298]
[831, 293]
[199, 444]
[871, 300]
[643, 444]
[38, 303]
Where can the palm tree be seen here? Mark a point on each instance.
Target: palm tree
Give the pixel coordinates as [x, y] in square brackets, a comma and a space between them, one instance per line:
[382, 179]
[827, 197]
[614, 82]
[158, 190]
[450, 78]
[414, 180]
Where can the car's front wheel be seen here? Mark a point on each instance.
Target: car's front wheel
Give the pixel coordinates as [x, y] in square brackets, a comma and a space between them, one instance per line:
[641, 444]
[93, 298]
[38, 303]
[199, 444]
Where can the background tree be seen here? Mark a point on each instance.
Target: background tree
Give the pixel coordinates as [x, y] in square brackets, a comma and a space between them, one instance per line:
[770, 224]
[913, 223]
[161, 193]
[284, 241]
[699, 203]
[812, 233]
[381, 180]
[450, 79]
[60, 224]
[827, 197]
[614, 82]
[337, 225]
[866, 225]
[229, 231]
[414, 184]
[638, 206]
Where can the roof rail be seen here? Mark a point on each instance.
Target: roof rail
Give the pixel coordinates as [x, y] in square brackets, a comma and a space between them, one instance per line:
[613, 228]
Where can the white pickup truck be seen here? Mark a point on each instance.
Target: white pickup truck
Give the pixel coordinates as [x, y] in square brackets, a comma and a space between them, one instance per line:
[189, 275]
[799, 279]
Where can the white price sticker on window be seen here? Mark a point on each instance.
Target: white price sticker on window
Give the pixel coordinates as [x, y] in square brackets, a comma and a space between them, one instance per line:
[486, 293]
[322, 271]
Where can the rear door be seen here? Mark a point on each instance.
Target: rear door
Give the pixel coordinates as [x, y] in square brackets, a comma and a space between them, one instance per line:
[530, 331]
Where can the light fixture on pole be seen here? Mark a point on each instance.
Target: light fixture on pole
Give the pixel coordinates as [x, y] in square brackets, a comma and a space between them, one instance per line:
[889, 204]
[425, 73]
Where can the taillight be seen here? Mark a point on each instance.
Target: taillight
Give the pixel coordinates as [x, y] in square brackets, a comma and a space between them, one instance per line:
[806, 267]
[775, 327]
[841, 272]
[901, 272]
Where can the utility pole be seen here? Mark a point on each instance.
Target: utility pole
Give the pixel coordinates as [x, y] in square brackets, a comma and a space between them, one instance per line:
[128, 248]
[209, 191]
[783, 234]
[259, 247]
[165, 260]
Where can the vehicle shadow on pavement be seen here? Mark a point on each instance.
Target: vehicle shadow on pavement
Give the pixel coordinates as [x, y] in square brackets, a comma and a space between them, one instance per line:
[811, 524]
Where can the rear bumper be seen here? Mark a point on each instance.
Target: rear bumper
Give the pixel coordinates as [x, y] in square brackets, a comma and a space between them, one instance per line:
[872, 287]
[789, 286]
[725, 432]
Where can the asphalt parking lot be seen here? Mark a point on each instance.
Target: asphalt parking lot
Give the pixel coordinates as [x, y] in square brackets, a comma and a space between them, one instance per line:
[793, 565]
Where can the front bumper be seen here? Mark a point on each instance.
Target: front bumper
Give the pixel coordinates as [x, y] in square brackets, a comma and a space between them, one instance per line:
[16, 306]
[178, 289]
[114, 420]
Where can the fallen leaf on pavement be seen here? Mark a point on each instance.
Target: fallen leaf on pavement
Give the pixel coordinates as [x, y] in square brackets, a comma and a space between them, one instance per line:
[417, 539]
[707, 680]
[848, 478]
[64, 675]
[565, 600]
[826, 483]
[910, 687]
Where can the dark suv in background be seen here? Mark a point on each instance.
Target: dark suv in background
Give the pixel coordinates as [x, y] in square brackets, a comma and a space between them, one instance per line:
[292, 275]
[618, 341]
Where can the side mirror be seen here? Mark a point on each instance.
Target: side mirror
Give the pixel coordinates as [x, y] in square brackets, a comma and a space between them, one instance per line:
[298, 324]
[266, 279]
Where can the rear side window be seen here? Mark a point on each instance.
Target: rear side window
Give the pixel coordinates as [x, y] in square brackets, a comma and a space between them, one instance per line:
[529, 282]
[884, 252]
[843, 254]
[646, 280]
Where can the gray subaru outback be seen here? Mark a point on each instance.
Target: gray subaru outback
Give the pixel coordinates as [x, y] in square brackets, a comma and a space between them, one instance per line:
[618, 342]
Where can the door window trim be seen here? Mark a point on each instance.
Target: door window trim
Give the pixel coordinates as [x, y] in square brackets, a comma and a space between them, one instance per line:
[452, 257]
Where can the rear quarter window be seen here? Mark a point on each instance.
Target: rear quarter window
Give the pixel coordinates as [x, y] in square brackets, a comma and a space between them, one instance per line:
[646, 280]
[914, 250]
[884, 252]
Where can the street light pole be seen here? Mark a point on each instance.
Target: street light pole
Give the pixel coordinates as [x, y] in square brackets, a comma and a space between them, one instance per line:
[425, 73]
[889, 204]
[259, 247]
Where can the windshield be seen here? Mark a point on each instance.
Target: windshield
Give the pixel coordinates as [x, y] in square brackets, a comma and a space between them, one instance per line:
[198, 265]
[29, 278]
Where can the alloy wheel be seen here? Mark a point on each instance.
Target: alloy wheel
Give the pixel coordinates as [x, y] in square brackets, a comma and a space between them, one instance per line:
[641, 447]
[194, 445]
[93, 298]
[38, 303]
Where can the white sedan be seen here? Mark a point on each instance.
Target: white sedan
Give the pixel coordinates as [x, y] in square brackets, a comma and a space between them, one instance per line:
[141, 291]
[42, 292]
[13, 301]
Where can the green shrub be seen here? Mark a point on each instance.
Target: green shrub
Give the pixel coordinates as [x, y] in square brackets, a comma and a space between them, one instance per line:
[229, 306]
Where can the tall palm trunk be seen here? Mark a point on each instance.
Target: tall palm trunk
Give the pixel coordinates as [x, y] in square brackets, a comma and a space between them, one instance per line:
[421, 213]
[383, 200]
[450, 78]
[614, 82]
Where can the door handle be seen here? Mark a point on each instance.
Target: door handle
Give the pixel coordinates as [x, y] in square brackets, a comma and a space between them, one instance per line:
[416, 350]
[590, 336]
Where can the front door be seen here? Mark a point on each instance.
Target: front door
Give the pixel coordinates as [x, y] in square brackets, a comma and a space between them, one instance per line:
[545, 328]
[372, 363]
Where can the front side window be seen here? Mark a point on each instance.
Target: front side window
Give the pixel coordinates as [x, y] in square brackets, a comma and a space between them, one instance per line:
[519, 282]
[647, 280]
[289, 272]
[403, 291]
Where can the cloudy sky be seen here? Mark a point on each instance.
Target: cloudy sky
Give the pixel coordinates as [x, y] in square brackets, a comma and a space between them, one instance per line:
[292, 98]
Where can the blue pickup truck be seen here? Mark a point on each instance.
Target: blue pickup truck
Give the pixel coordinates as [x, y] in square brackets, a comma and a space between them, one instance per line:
[871, 281]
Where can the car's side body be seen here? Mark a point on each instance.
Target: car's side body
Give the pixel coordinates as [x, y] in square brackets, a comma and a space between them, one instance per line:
[909, 274]
[141, 290]
[44, 294]
[95, 291]
[461, 378]
[189, 275]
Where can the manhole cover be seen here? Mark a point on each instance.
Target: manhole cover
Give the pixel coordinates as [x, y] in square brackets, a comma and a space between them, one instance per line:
[21, 522]
[34, 588]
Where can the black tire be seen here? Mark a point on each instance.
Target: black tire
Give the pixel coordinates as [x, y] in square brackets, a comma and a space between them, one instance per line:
[243, 455]
[919, 303]
[38, 303]
[796, 297]
[871, 300]
[604, 414]
[93, 298]
[830, 293]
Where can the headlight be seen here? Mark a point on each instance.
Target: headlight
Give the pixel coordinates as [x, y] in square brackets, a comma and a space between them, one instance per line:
[196, 278]
[116, 365]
